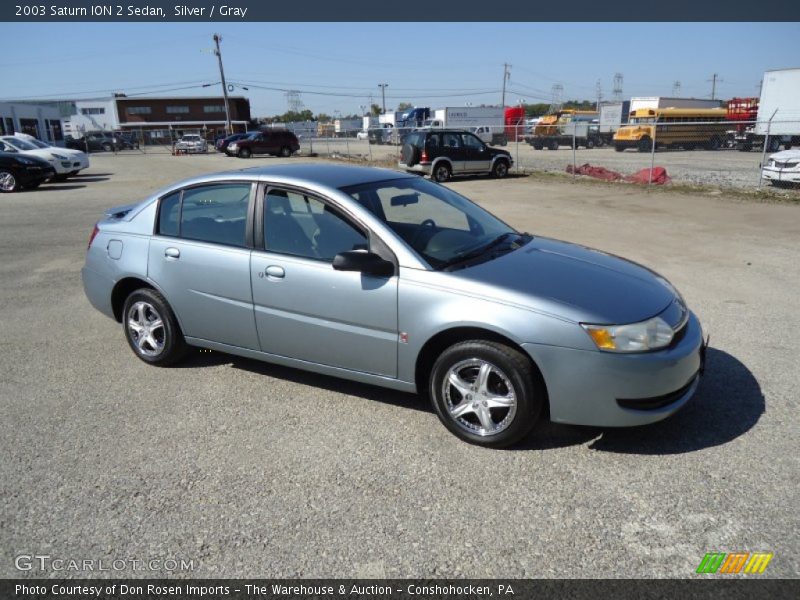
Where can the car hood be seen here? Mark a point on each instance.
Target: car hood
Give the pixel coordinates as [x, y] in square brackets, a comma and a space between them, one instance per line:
[785, 155]
[589, 285]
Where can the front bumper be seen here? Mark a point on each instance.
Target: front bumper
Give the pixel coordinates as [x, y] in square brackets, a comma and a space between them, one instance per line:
[590, 387]
[776, 174]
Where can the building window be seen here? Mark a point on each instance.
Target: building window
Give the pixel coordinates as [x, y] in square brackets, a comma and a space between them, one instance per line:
[6, 126]
[30, 126]
[96, 110]
[214, 109]
[177, 110]
[138, 110]
[54, 130]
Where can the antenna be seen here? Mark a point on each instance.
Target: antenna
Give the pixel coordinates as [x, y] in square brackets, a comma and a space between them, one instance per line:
[599, 89]
[558, 98]
[714, 80]
[676, 89]
[294, 101]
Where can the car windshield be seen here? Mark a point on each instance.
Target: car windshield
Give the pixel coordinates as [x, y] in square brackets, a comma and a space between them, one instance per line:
[38, 143]
[443, 227]
[19, 143]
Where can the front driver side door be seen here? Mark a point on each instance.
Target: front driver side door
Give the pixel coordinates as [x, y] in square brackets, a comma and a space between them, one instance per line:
[305, 309]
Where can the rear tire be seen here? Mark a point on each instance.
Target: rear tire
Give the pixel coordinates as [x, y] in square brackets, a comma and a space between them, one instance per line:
[441, 172]
[285, 152]
[151, 328]
[486, 393]
[107, 147]
[619, 148]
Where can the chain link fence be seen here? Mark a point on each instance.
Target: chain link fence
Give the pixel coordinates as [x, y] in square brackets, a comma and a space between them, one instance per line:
[727, 154]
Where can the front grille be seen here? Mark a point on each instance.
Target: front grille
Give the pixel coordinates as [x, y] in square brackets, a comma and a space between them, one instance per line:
[785, 165]
[656, 402]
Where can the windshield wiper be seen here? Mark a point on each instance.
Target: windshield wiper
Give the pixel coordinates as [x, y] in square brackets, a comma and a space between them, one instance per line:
[476, 253]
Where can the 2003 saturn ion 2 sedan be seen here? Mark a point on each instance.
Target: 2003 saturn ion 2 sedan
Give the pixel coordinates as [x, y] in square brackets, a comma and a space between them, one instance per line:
[386, 278]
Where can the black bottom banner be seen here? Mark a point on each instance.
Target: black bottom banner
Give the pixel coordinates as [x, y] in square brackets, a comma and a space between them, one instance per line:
[396, 589]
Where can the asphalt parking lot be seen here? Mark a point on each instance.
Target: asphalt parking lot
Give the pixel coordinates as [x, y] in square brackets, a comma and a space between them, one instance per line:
[254, 470]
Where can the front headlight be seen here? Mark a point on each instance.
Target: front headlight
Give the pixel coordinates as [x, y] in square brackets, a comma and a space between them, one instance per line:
[59, 156]
[652, 334]
[233, 146]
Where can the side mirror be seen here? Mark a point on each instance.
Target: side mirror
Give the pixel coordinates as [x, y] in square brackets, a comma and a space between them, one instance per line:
[368, 263]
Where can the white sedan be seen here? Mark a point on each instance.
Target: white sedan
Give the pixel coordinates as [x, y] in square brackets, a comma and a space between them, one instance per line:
[783, 168]
[80, 160]
[62, 163]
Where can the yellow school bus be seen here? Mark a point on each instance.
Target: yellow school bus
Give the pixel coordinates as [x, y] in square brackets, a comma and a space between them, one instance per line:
[687, 128]
[549, 124]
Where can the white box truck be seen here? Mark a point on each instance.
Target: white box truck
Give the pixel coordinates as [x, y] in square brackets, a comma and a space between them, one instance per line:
[470, 118]
[778, 110]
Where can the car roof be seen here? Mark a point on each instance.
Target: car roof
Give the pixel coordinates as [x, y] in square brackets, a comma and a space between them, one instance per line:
[303, 174]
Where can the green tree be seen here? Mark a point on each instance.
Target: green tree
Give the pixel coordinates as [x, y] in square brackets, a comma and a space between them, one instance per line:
[375, 109]
[404, 105]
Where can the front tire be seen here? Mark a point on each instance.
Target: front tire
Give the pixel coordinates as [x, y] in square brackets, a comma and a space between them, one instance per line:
[244, 153]
[151, 328]
[500, 169]
[8, 182]
[486, 393]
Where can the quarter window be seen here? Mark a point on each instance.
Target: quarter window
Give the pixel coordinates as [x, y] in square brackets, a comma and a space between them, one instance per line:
[169, 215]
[215, 213]
[300, 225]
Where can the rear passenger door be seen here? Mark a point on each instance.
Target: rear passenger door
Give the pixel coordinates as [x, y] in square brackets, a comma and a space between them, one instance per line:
[453, 149]
[200, 258]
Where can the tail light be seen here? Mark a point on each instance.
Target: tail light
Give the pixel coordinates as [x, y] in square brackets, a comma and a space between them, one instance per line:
[95, 231]
[424, 156]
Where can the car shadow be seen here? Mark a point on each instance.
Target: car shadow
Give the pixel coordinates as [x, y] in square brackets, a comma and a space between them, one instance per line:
[88, 175]
[727, 404]
[205, 358]
[54, 186]
[88, 178]
[511, 175]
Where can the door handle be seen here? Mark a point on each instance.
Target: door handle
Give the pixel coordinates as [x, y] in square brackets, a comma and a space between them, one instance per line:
[275, 272]
[172, 253]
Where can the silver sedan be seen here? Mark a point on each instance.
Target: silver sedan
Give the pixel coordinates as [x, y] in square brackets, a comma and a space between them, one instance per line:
[386, 278]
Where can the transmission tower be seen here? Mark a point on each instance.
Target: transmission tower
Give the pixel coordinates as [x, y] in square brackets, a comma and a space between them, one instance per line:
[294, 101]
[557, 99]
[617, 87]
[676, 89]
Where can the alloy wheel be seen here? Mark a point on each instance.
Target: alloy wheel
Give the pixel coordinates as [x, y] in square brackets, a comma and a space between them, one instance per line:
[146, 329]
[7, 181]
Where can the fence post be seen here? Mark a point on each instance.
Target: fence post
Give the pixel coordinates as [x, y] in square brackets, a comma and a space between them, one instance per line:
[574, 165]
[369, 146]
[347, 144]
[652, 154]
[764, 151]
[516, 140]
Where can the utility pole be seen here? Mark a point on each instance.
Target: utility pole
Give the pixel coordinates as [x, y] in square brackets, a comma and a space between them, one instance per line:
[599, 89]
[383, 87]
[228, 128]
[506, 77]
[714, 79]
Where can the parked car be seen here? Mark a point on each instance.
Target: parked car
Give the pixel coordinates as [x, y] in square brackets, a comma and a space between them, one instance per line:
[222, 144]
[18, 171]
[442, 153]
[381, 135]
[191, 143]
[80, 159]
[62, 164]
[783, 168]
[94, 141]
[362, 135]
[278, 142]
[390, 279]
[127, 140]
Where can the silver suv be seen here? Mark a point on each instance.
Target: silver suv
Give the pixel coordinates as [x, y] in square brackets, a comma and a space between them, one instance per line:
[442, 153]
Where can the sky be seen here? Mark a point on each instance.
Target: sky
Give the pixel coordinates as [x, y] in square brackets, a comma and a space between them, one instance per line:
[337, 66]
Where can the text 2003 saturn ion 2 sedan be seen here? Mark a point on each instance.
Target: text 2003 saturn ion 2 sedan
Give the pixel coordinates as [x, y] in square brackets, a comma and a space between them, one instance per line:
[385, 278]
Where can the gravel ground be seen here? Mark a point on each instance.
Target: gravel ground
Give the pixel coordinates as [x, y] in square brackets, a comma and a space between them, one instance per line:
[254, 470]
[721, 168]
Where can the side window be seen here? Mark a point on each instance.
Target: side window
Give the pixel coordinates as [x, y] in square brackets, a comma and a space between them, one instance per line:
[451, 140]
[169, 214]
[216, 213]
[470, 141]
[301, 225]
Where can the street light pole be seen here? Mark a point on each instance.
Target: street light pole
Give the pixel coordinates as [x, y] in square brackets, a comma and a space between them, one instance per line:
[228, 128]
[383, 87]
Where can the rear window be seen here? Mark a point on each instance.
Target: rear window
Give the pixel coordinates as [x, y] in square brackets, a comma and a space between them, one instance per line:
[415, 139]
